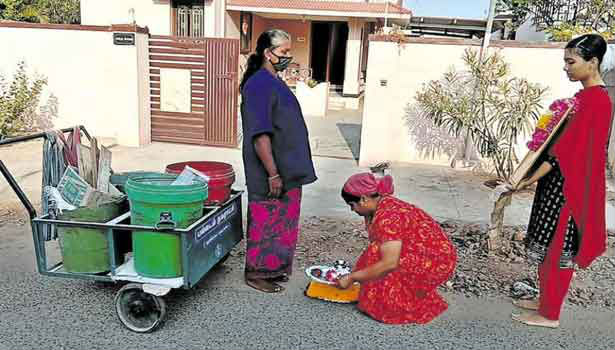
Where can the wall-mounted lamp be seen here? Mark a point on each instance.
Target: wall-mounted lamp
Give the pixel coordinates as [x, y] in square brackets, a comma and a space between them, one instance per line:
[131, 16]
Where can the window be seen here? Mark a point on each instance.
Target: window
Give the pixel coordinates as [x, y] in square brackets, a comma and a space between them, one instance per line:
[188, 18]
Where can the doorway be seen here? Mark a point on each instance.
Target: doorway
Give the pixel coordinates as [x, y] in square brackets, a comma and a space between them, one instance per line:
[328, 52]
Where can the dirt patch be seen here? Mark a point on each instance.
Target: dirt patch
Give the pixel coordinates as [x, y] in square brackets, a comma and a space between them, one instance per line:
[478, 273]
[13, 213]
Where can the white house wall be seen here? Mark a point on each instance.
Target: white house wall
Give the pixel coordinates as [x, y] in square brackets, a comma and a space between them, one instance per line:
[213, 21]
[353, 57]
[154, 14]
[396, 74]
[94, 82]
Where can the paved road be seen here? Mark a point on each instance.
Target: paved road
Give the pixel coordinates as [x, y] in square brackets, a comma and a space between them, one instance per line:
[222, 313]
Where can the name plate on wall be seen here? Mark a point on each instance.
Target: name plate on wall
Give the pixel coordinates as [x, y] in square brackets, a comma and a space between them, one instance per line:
[175, 90]
[123, 38]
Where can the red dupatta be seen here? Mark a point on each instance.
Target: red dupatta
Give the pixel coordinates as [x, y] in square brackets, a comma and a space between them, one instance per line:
[581, 152]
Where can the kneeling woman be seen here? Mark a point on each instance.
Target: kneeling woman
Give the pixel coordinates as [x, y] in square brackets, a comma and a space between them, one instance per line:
[407, 258]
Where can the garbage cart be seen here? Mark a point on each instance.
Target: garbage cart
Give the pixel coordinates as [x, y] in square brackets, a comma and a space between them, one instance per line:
[139, 304]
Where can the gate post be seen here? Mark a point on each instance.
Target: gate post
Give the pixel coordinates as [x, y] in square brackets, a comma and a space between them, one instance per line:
[143, 81]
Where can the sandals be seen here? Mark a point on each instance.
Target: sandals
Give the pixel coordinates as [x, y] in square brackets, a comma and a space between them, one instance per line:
[523, 318]
[264, 285]
[530, 304]
[282, 279]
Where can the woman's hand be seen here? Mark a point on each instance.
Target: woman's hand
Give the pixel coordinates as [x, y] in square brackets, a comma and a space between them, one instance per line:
[262, 146]
[276, 185]
[344, 282]
[523, 184]
[390, 253]
[543, 170]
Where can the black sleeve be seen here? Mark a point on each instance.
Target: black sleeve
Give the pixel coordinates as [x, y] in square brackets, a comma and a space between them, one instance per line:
[551, 160]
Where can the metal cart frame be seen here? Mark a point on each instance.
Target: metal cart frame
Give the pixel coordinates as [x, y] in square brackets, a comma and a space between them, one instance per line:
[139, 304]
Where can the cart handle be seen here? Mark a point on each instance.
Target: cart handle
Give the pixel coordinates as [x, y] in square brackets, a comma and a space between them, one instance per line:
[166, 222]
[11, 180]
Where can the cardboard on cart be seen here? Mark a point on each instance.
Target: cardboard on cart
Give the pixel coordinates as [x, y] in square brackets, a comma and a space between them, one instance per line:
[73, 188]
[188, 175]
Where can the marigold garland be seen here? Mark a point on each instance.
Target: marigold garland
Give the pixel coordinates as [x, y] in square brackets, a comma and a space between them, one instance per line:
[547, 122]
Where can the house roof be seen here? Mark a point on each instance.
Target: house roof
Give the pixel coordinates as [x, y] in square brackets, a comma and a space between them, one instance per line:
[323, 5]
[452, 26]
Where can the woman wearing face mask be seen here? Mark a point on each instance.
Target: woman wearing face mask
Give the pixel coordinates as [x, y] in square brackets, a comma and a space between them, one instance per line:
[277, 161]
[407, 258]
[567, 225]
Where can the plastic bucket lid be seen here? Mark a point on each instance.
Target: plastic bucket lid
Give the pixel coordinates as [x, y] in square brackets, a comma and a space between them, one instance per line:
[159, 190]
[121, 178]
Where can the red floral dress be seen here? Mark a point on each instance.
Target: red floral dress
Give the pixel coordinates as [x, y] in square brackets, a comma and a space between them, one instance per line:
[428, 258]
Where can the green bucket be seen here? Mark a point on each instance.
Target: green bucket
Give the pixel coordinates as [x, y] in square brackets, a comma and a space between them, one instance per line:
[155, 202]
[119, 179]
[86, 250]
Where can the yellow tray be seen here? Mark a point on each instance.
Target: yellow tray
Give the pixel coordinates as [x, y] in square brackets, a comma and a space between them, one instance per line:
[331, 293]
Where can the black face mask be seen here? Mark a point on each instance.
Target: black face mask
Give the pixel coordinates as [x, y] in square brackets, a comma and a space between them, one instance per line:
[283, 62]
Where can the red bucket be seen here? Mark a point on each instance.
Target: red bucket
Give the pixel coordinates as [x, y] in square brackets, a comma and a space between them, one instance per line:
[221, 178]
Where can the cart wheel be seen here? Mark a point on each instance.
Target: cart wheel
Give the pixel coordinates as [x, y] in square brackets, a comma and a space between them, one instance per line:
[139, 311]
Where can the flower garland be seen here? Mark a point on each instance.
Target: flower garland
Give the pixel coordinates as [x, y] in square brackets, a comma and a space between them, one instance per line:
[547, 122]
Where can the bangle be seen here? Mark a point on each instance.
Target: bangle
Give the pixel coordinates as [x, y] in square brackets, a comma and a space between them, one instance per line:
[274, 177]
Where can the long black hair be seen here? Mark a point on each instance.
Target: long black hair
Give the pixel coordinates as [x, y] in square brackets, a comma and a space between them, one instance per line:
[589, 46]
[268, 39]
[351, 198]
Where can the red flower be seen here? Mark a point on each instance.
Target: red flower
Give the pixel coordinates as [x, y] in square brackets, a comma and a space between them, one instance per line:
[331, 275]
[559, 109]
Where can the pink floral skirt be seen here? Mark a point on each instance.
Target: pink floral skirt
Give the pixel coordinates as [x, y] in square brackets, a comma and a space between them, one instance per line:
[273, 229]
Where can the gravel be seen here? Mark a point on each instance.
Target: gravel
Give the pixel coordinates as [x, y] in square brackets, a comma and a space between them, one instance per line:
[479, 273]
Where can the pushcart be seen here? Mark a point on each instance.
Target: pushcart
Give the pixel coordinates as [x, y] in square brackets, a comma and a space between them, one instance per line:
[139, 304]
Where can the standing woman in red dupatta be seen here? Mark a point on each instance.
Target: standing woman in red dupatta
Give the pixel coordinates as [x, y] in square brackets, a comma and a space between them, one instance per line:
[567, 225]
[407, 258]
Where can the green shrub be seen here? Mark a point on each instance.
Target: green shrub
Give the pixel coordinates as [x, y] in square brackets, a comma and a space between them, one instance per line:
[484, 100]
[19, 102]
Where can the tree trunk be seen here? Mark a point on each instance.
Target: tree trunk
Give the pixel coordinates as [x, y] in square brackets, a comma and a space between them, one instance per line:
[495, 235]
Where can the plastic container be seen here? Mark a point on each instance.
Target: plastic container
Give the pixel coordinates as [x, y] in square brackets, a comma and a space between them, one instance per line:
[86, 250]
[119, 179]
[221, 178]
[155, 202]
